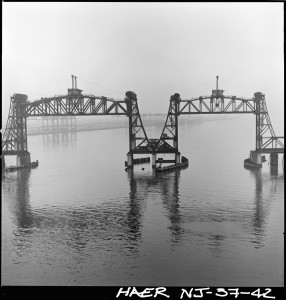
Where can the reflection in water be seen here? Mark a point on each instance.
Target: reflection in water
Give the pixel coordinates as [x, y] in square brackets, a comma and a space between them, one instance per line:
[170, 191]
[17, 186]
[134, 215]
[273, 170]
[260, 213]
[94, 238]
[168, 187]
[262, 202]
[110, 220]
[59, 138]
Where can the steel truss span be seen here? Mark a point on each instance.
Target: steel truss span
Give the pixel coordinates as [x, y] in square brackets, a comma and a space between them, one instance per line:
[71, 105]
[14, 141]
[266, 140]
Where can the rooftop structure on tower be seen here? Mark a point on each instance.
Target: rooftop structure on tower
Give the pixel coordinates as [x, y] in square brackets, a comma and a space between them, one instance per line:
[74, 90]
[217, 92]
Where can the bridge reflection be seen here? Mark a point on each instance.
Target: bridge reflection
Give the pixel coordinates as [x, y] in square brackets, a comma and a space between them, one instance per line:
[265, 189]
[117, 225]
[168, 187]
[17, 186]
[59, 138]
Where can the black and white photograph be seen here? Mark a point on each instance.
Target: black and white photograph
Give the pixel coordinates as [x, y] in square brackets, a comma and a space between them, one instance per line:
[143, 147]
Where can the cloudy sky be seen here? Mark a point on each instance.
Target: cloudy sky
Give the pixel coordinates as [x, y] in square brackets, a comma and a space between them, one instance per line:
[153, 49]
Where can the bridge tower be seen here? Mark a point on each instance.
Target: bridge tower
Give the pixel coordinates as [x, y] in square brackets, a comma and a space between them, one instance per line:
[15, 135]
[265, 139]
[170, 130]
[138, 139]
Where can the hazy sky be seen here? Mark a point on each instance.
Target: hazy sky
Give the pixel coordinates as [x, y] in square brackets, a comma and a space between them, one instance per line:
[153, 49]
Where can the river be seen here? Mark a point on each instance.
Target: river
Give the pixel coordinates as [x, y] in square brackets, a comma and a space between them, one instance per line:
[80, 219]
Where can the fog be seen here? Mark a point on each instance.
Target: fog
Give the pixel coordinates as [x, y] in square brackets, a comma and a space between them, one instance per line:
[153, 49]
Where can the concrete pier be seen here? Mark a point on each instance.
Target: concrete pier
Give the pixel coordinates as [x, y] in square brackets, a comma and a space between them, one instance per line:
[255, 157]
[23, 159]
[129, 160]
[178, 157]
[274, 159]
[2, 162]
[153, 160]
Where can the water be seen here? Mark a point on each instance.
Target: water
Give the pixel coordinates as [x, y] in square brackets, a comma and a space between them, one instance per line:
[80, 219]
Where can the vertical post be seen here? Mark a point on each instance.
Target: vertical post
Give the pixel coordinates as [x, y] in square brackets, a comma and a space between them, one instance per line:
[136, 127]
[211, 104]
[21, 146]
[21, 127]
[176, 137]
[258, 98]
[176, 100]
[132, 142]
[104, 101]
[176, 140]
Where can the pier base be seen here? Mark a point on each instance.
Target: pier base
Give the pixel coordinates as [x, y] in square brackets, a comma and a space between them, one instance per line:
[254, 161]
[178, 157]
[129, 160]
[23, 159]
[153, 160]
[2, 162]
[274, 159]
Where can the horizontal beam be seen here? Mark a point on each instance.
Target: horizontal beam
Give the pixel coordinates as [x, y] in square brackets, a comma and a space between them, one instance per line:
[77, 114]
[270, 150]
[216, 112]
[146, 151]
[9, 152]
[165, 161]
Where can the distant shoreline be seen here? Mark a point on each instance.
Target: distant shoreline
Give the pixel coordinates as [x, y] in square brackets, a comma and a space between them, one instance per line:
[92, 127]
[40, 132]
